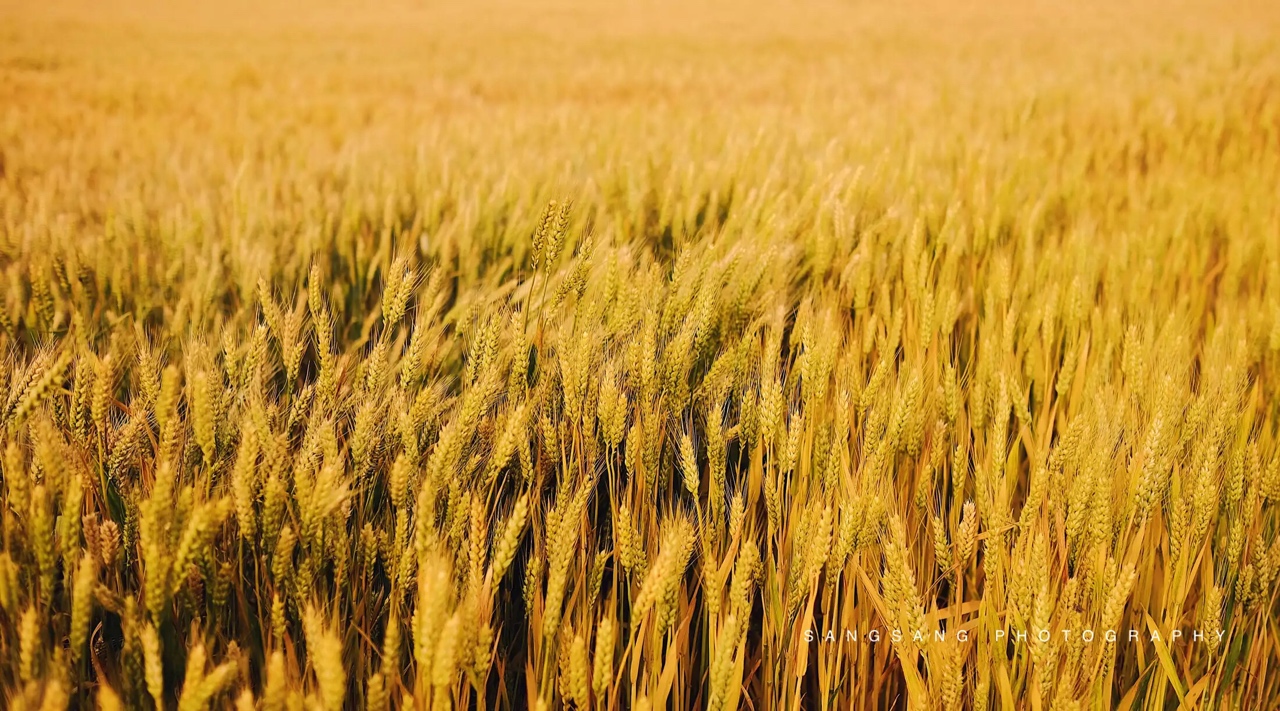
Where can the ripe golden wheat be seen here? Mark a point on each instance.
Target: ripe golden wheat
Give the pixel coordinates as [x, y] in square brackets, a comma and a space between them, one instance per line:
[733, 356]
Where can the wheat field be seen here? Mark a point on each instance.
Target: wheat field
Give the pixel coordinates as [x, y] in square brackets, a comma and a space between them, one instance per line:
[639, 355]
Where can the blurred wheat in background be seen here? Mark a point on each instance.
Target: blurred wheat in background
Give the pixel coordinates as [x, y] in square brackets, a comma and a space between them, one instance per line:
[639, 355]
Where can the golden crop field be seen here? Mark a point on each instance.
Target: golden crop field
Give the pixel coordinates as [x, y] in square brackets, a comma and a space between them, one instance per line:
[641, 355]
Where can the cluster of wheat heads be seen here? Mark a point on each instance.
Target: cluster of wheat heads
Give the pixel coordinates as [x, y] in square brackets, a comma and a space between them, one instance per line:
[306, 406]
[631, 483]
